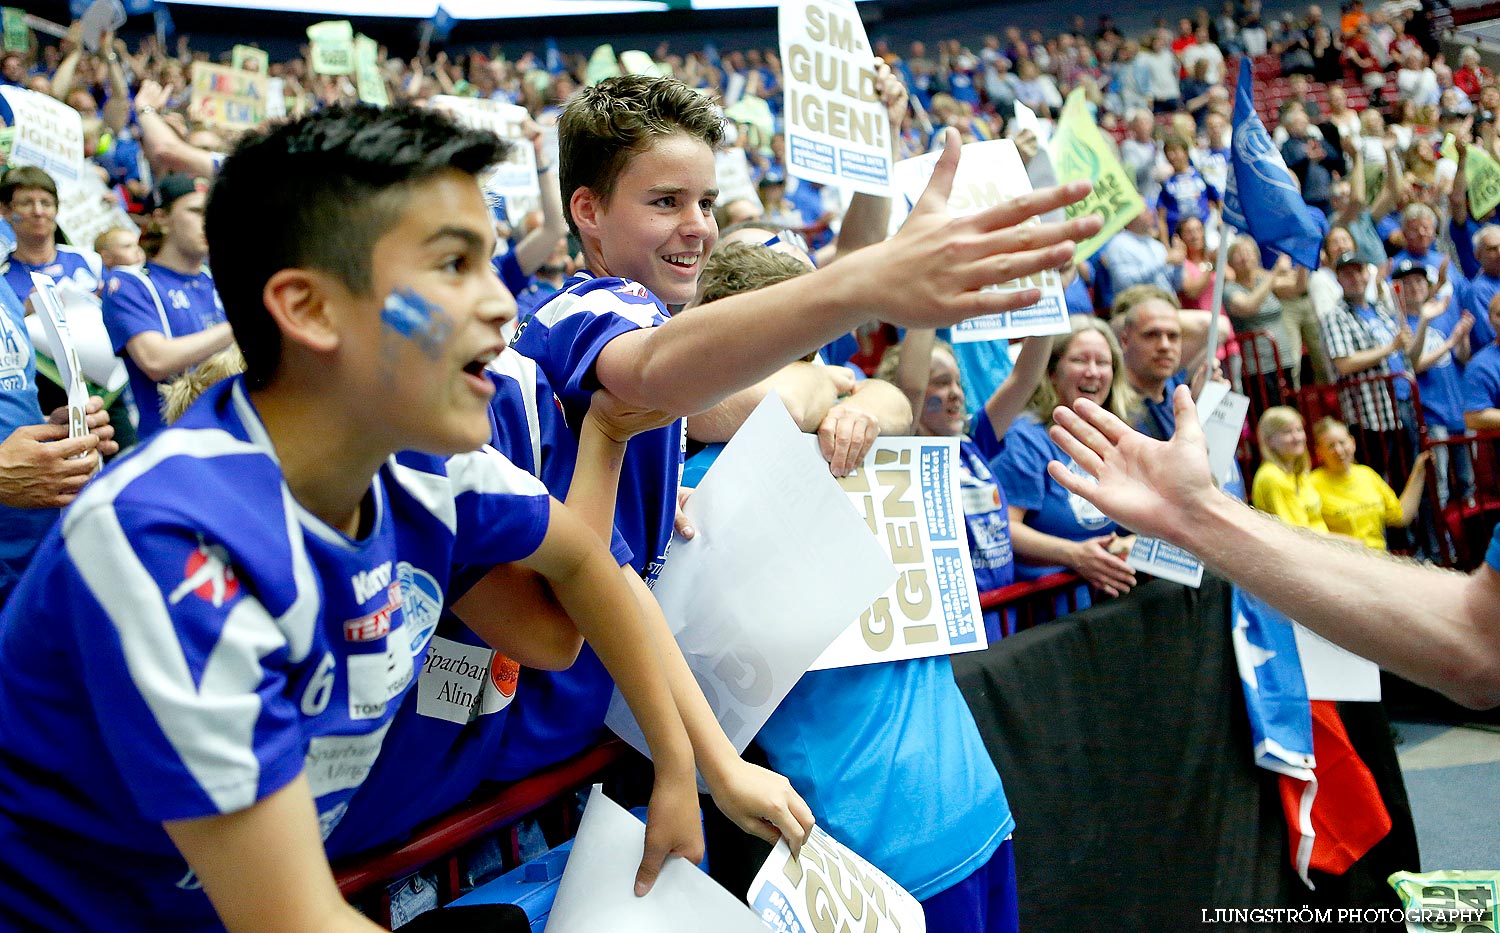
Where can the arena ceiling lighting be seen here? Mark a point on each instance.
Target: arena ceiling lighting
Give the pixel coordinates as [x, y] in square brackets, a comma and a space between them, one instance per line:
[458, 9]
[417, 9]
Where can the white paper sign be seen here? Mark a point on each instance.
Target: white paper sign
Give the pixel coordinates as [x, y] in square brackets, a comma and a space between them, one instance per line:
[1331, 672]
[86, 208]
[1167, 561]
[515, 178]
[44, 300]
[829, 887]
[837, 130]
[49, 134]
[1222, 413]
[1222, 424]
[597, 891]
[733, 171]
[102, 16]
[90, 338]
[991, 173]
[907, 491]
[779, 564]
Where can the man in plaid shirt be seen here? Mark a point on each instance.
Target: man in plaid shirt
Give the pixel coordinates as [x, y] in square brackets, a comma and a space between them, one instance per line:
[1364, 339]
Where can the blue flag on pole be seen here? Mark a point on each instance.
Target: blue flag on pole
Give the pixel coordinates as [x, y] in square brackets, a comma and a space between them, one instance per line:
[165, 28]
[554, 58]
[1263, 198]
[442, 25]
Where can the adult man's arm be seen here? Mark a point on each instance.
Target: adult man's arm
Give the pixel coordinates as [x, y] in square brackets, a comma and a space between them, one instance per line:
[37, 465]
[1487, 419]
[161, 357]
[167, 151]
[1435, 627]
[1361, 360]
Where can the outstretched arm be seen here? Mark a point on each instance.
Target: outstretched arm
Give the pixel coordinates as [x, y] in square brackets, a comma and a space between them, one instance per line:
[1436, 627]
[930, 274]
[590, 588]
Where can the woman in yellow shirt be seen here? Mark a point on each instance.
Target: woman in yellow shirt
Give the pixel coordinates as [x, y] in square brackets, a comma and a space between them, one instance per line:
[1282, 486]
[1357, 501]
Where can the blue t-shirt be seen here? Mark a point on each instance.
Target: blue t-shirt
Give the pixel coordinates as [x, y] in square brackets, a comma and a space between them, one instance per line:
[891, 763]
[961, 86]
[198, 640]
[988, 523]
[565, 336]
[20, 529]
[1476, 300]
[1482, 380]
[887, 755]
[1159, 419]
[1021, 469]
[161, 300]
[1492, 556]
[1441, 384]
[1186, 194]
[83, 267]
[446, 737]
[1077, 298]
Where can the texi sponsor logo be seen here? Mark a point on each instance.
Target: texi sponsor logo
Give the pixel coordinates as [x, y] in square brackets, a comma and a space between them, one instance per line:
[378, 623]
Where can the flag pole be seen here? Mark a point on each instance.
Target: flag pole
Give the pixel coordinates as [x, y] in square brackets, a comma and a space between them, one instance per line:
[1221, 268]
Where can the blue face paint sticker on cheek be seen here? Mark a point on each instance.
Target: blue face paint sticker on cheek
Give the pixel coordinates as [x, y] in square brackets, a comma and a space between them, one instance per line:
[934, 403]
[418, 320]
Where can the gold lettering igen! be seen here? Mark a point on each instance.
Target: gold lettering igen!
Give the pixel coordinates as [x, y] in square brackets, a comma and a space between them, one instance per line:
[897, 484]
[877, 626]
[914, 594]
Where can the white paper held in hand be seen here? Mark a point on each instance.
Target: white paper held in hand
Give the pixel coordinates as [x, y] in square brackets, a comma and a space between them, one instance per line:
[49, 308]
[799, 893]
[1222, 415]
[779, 565]
[597, 891]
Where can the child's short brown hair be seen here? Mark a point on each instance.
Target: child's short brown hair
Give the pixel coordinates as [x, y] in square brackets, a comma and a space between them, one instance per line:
[603, 125]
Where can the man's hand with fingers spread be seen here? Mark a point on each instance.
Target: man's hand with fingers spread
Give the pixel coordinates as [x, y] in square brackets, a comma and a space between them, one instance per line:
[1148, 485]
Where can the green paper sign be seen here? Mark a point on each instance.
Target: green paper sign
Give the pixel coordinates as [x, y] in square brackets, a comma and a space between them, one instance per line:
[1079, 152]
[332, 47]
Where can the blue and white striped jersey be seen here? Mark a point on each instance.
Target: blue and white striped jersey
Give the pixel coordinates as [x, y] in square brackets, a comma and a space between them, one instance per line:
[189, 640]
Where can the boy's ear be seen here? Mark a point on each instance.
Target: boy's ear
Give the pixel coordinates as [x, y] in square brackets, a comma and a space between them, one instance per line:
[301, 302]
[586, 205]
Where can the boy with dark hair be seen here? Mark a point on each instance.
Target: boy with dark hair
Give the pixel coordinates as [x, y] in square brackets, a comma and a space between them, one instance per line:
[223, 625]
